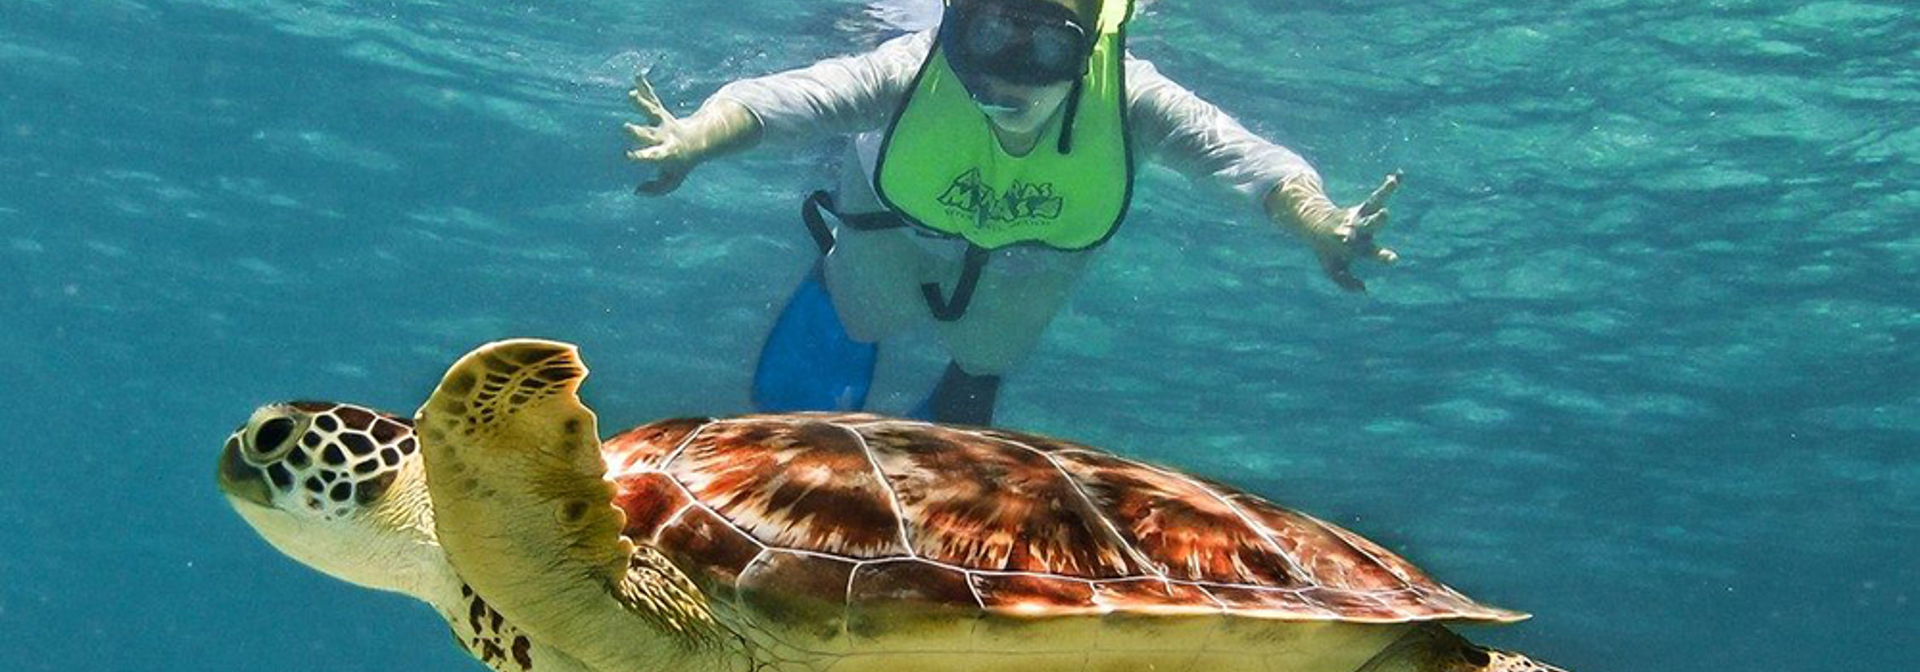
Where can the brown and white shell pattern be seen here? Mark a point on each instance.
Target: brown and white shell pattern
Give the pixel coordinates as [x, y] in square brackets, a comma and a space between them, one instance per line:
[896, 519]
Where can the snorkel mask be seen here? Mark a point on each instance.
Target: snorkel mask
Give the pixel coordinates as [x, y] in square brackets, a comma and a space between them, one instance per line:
[1025, 42]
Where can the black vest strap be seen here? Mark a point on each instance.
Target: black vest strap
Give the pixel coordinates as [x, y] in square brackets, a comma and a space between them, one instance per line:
[1073, 109]
[944, 308]
[823, 234]
[816, 225]
[950, 308]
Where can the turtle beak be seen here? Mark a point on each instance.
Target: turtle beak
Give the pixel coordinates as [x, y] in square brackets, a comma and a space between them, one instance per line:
[242, 481]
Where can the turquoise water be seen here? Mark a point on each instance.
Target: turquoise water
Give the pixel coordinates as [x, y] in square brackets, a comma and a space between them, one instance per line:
[1647, 370]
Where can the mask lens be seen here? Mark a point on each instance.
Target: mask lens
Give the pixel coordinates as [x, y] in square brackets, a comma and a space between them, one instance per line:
[1055, 51]
[991, 35]
[1025, 42]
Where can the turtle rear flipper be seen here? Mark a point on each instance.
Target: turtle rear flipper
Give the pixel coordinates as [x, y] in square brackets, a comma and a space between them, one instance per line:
[1433, 648]
[525, 513]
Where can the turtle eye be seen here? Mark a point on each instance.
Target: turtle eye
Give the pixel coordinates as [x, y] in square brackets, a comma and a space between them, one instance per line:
[273, 433]
[270, 436]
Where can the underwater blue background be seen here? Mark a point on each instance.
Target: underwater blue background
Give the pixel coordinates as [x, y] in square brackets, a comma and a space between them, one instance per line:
[1647, 369]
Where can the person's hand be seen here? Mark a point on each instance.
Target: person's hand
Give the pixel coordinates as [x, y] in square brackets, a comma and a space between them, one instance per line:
[1341, 235]
[661, 141]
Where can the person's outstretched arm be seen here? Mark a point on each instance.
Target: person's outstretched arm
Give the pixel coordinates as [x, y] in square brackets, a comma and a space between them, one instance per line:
[1182, 131]
[840, 95]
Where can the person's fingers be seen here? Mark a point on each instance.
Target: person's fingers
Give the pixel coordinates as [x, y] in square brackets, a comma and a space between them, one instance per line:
[649, 108]
[646, 101]
[1371, 224]
[652, 154]
[647, 136]
[1378, 200]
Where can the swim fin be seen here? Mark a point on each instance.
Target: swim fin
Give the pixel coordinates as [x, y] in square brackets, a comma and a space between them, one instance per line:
[809, 363]
[960, 398]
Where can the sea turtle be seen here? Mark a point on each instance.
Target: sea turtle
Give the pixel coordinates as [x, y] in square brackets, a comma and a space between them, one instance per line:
[817, 542]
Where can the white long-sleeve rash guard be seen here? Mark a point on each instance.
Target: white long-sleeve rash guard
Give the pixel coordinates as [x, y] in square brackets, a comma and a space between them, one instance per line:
[858, 95]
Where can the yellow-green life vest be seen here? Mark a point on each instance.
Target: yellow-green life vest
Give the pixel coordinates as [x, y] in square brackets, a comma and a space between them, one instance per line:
[942, 169]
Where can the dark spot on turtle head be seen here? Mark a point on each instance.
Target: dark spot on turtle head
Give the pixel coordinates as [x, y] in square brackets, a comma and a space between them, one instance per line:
[299, 459]
[359, 444]
[314, 485]
[355, 418]
[374, 488]
[573, 511]
[340, 492]
[281, 478]
[572, 427]
[390, 456]
[407, 446]
[311, 440]
[326, 423]
[385, 431]
[329, 476]
[366, 467]
[332, 456]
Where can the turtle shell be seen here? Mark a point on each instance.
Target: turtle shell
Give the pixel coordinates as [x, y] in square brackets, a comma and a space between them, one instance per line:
[888, 518]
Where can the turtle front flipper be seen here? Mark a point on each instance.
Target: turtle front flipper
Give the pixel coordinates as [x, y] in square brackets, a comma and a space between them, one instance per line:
[525, 512]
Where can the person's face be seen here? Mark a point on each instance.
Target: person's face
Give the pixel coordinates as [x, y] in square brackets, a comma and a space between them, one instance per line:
[1025, 105]
[1020, 108]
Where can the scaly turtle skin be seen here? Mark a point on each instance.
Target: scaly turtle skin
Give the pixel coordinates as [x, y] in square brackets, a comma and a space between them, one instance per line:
[817, 542]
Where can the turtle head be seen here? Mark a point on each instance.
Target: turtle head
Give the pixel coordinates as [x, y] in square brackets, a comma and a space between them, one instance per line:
[338, 487]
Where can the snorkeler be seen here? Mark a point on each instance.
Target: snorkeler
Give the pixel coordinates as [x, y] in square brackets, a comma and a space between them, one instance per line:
[990, 157]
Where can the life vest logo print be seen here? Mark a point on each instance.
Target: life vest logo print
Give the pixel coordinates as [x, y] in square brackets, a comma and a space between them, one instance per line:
[1022, 204]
